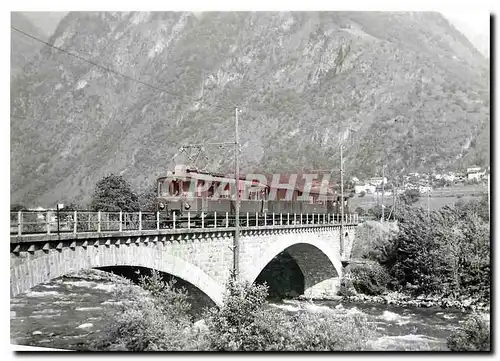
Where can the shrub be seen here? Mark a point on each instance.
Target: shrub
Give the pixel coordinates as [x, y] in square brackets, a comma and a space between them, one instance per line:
[362, 193]
[410, 196]
[156, 320]
[346, 288]
[232, 326]
[243, 323]
[369, 278]
[360, 211]
[473, 335]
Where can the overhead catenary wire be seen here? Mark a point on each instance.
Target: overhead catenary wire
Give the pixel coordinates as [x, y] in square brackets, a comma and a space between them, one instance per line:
[111, 70]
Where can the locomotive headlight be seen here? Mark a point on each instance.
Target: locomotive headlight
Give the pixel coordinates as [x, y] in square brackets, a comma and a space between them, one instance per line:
[187, 205]
[161, 205]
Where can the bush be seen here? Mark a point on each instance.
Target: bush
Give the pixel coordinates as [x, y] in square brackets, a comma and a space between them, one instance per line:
[155, 320]
[243, 323]
[369, 278]
[473, 335]
[362, 193]
[232, 326]
[410, 196]
[360, 211]
[346, 288]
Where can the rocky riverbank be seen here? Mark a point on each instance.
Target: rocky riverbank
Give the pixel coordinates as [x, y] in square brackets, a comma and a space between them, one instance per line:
[398, 299]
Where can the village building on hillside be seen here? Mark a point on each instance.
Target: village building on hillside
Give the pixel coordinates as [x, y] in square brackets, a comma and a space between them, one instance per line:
[364, 187]
[475, 173]
[376, 181]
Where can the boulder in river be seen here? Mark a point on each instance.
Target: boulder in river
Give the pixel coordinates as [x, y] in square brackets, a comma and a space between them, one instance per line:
[85, 325]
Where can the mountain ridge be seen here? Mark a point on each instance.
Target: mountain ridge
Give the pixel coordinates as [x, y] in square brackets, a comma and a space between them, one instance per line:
[320, 74]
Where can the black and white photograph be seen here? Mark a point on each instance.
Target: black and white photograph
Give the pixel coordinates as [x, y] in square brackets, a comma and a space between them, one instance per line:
[250, 180]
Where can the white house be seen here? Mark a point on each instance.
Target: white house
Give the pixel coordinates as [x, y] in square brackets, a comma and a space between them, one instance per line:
[359, 187]
[474, 169]
[376, 181]
[425, 189]
[476, 175]
[364, 187]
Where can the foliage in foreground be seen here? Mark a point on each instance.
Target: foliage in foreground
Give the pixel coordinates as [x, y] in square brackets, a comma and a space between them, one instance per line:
[243, 323]
[473, 335]
[155, 320]
[161, 322]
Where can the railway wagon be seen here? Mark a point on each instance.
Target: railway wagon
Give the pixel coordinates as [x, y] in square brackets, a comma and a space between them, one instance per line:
[187, 192]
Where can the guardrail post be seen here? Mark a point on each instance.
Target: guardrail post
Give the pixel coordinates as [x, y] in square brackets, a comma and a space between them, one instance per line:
[301, 219]
[281, 219]
[173, 215]
[248, 220]
[256, 219]
[307, 218]
[350, 218]
[265, 219]
[75, 221]
[121, 222]
[140, 221]
[324, 216]
[202, 220]
[19, 223]
[189, 219]
[227, 220]
[98, 221]
[273, 218]
[288, 218]
[158, 220]
[215, 219]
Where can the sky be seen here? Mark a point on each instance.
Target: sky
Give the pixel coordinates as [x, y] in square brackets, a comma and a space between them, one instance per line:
[474, 25]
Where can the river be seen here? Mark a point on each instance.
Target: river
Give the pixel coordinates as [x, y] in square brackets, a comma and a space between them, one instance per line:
[71, 311]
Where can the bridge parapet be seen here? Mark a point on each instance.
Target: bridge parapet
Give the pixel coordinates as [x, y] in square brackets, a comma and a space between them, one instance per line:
[82, 222]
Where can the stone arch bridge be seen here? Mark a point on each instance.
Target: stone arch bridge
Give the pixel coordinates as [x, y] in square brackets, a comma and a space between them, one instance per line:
[200, 256]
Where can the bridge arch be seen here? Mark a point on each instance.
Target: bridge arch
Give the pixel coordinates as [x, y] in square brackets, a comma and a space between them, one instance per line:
[318, 260]
[42, 267]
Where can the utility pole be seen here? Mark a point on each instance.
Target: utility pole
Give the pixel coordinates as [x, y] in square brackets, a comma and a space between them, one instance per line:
[489, 205]
[428, 208]
[394, 195]
[341, 200]
[383, 187]
[237, 198]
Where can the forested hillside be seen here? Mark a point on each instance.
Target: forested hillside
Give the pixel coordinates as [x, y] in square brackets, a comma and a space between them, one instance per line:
[412, 88]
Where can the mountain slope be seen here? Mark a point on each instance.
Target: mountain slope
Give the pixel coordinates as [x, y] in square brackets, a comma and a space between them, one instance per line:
[22, 48]
[413, 88]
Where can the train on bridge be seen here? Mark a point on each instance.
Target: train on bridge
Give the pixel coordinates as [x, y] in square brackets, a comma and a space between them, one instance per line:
[189, 192]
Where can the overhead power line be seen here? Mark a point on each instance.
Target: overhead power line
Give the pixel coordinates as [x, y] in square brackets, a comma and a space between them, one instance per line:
[112, 70]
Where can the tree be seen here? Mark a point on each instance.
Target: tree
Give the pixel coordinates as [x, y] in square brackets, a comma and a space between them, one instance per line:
[410, 196]
[16, 207]
[147, 199]
[112, 194]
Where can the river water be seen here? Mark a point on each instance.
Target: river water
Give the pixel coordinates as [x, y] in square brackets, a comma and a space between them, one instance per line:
[71, 311]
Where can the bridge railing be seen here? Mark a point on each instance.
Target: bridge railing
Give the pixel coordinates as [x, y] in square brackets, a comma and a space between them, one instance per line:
[52, 222]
